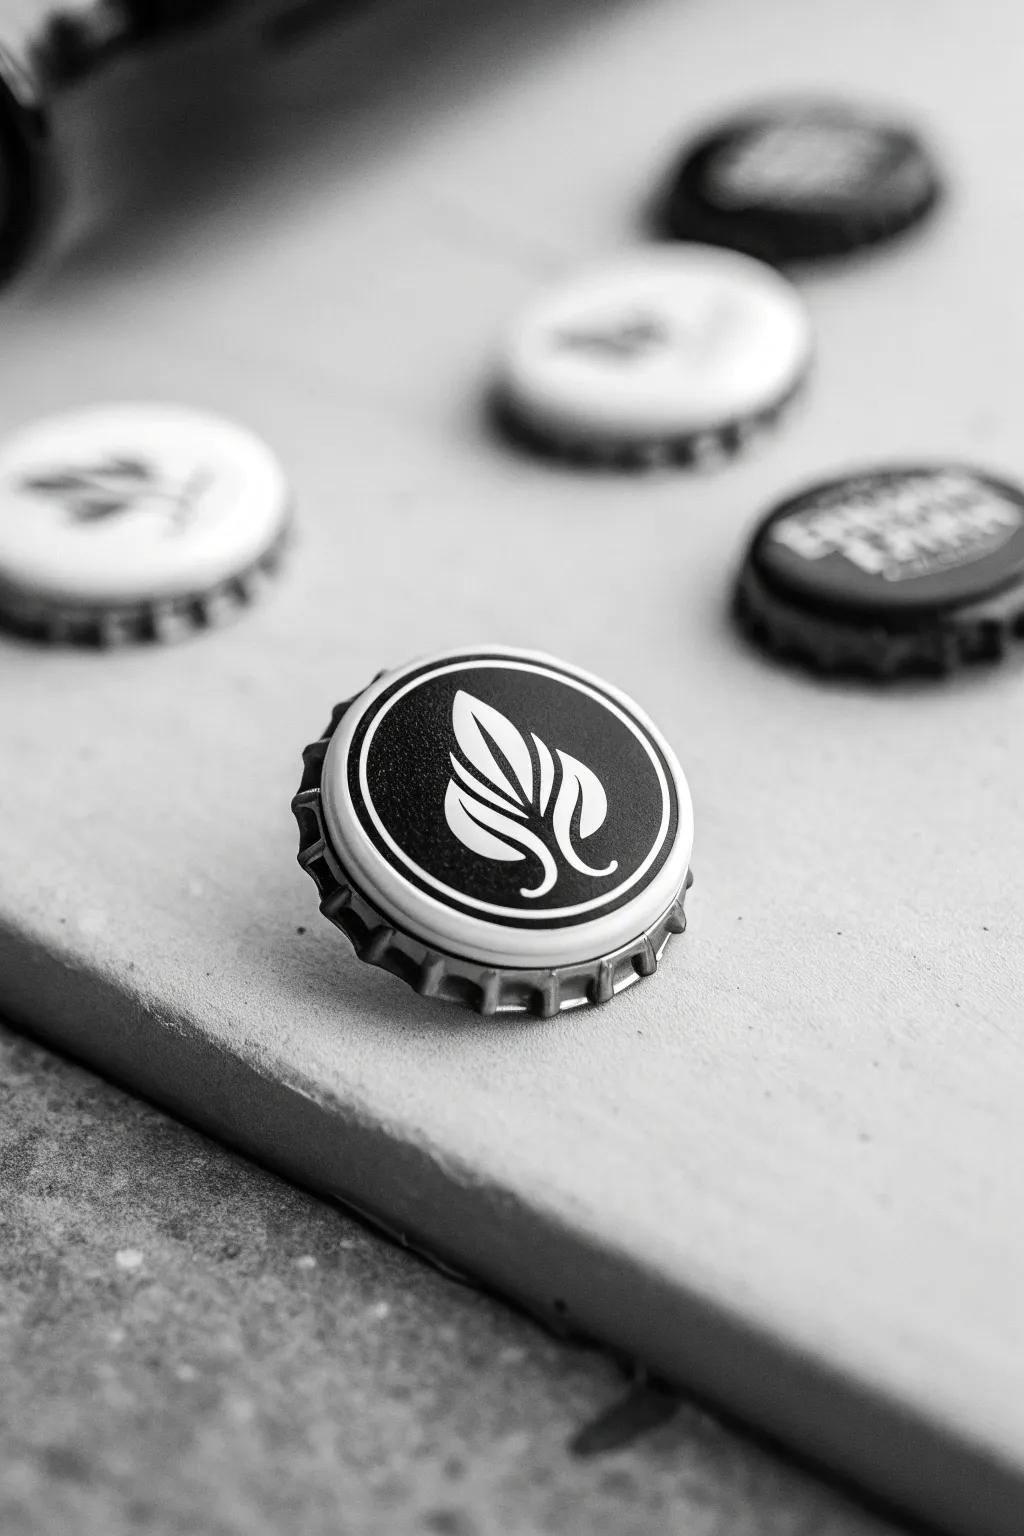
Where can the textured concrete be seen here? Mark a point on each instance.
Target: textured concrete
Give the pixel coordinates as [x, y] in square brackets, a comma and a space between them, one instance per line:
[188, 1344]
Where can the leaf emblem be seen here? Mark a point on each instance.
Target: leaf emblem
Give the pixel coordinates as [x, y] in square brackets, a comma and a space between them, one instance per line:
[619, 340]
[493, 746]
[117, 485]
[510, 799]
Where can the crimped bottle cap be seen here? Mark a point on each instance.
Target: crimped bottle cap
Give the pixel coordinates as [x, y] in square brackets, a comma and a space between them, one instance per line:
[889, 570]
[134, 521]
[667, 354]
[801, 180]
[499, 828]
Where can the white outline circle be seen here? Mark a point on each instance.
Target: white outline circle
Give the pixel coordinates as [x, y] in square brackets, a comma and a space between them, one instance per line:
[427, 916]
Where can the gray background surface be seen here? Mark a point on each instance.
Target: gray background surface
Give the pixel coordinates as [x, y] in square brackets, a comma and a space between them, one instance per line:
[788, 1170]
[188, 1344]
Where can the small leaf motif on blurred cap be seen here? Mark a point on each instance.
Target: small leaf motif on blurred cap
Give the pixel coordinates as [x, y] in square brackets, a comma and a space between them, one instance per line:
[116, 486]
[510, 798]
[617, 340]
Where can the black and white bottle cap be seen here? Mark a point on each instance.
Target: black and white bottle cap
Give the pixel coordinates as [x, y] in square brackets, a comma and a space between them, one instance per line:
[131, 521]
[517, 830]
[667, 354]
[801, 180]
[889, 570]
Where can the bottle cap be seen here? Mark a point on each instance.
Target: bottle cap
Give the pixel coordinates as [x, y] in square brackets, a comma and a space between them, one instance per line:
[799, 181]
[667, 354]
[133, 521]
[888, 571]
[498, 829]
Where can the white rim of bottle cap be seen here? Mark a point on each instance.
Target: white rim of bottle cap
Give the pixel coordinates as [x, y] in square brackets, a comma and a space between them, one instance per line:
[561, 796]
[660, 345]
[129, 503]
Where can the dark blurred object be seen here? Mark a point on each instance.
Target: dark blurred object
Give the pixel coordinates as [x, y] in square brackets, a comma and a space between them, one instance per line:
[49, 49]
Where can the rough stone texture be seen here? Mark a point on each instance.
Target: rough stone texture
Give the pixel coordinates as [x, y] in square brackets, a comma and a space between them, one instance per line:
[188, 1344]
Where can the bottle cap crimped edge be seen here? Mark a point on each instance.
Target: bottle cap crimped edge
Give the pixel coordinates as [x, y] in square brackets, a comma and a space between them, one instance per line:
[436, 973]
[40, 617]
[976, 632]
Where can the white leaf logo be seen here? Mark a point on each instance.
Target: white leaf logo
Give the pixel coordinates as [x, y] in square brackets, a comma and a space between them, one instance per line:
[502, 801]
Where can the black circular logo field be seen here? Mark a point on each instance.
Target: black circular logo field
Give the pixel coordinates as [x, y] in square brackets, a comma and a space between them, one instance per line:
[817, 161]
[512, 792]
[894, 542]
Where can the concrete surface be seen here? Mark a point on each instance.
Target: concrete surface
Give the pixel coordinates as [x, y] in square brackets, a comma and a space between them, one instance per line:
[188, 1344]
